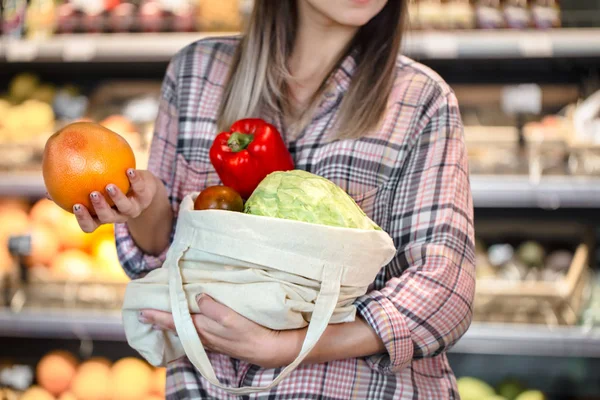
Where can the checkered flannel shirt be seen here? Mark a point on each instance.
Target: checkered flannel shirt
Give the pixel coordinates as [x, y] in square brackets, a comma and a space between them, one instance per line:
[410, 176]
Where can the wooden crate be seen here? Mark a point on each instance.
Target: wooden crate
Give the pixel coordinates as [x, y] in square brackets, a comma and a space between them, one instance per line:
[550, 303]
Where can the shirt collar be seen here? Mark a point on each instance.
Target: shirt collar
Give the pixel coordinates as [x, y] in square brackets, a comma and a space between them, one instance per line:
[341, 78]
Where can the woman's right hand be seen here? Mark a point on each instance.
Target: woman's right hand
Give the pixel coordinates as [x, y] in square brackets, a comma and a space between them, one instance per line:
[128, 206]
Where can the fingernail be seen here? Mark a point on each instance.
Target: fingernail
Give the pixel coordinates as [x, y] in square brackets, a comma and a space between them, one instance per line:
[76, 208]
[94, 195]
[156, 328]
[131, 173]
[110, 189]
[199, 297]
[142, 318]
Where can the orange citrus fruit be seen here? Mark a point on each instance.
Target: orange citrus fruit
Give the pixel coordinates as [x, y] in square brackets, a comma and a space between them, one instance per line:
[55, 371]
[92, 381]
[44, 245]
[72, 265]
[84, 157]
[128, 370]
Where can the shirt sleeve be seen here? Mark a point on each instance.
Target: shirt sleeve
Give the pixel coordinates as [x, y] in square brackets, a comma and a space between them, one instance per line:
[162, 157]
[425, 305]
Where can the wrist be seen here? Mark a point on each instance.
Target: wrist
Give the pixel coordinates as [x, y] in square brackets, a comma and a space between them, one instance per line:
[284, 348]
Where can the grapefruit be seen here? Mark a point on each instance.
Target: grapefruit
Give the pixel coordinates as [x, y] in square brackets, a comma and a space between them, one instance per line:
[44, 245]
[12, 203]
[47, 212]
[126, 371]
[65, 224]
[6, 261]
[12, 222]
[109, 267]
[92, 381]
[67, 396]
[55, 371]
[36, 393]
[72, 265]
[84, 157]
[159, 381]
[118, 123]
[71, 236]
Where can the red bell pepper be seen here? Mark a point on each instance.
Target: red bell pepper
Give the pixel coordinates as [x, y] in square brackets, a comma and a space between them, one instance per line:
[250, 151]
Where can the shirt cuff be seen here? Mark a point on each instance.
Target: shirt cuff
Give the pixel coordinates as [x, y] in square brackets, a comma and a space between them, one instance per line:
[135, 261]
[390, 325]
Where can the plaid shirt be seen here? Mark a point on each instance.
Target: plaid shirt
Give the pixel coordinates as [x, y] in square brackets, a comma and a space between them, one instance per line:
[410, 176]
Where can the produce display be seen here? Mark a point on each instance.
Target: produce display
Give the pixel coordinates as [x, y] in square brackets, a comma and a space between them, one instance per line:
[485, 14]
[532, 282]
[526, 261]
[60, 375]
[471, 388]
[32, 110]
[44, 18]
[60, 250]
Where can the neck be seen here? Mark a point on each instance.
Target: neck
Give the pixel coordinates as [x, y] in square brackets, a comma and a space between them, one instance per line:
[319, 43]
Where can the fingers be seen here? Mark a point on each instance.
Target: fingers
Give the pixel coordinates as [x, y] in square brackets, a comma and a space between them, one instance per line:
[105, 213]
[137, 182]
[123, 203]
[163, 321]
[84, 218]
[214, 310]
[159, 319]
[206, 326]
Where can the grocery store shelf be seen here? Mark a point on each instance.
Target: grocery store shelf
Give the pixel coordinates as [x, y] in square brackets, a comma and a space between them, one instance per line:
[504, 191]
[61, 324]
[480, 339]
[100, 47]
[551, 192]
[22, 184]
[564, 42]
[559, 43]
[530, 340]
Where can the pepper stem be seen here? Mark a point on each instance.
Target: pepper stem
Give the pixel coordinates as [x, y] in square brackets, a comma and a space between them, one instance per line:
[238, 141]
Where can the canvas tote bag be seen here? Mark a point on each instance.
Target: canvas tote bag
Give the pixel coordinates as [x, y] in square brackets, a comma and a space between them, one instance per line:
[279, 273]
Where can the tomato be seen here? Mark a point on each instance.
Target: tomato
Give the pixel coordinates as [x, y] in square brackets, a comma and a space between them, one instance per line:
[219, 198]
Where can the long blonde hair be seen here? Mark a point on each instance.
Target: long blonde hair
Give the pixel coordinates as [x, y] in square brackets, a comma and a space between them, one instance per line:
[259, 70]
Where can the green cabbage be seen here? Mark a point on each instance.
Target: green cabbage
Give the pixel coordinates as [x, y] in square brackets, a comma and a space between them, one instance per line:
[302, 196]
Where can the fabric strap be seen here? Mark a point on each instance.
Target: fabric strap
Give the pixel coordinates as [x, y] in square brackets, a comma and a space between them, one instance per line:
[324, 308]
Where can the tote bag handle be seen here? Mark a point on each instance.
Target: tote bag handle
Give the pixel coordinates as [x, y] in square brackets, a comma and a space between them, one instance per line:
[324, 307]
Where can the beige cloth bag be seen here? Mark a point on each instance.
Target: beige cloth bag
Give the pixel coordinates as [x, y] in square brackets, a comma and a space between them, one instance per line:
[279, 273]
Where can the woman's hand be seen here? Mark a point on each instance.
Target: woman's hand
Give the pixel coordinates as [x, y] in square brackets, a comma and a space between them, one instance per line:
[224, 331]
[144, 186]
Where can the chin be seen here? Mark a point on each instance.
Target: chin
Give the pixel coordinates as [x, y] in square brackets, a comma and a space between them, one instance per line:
[355, 19]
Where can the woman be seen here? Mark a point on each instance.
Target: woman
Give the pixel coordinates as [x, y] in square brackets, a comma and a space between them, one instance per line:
[386, 129]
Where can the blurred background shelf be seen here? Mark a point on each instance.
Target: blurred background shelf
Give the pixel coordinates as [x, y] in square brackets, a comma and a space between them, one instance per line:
[530, 340]
[62, 324]
[489, 191]
[160, 47]
[21, 184]
[551, 192]
[481, 338]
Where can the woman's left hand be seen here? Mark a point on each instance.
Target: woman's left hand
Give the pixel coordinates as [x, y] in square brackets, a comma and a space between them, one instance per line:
[224, 331]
